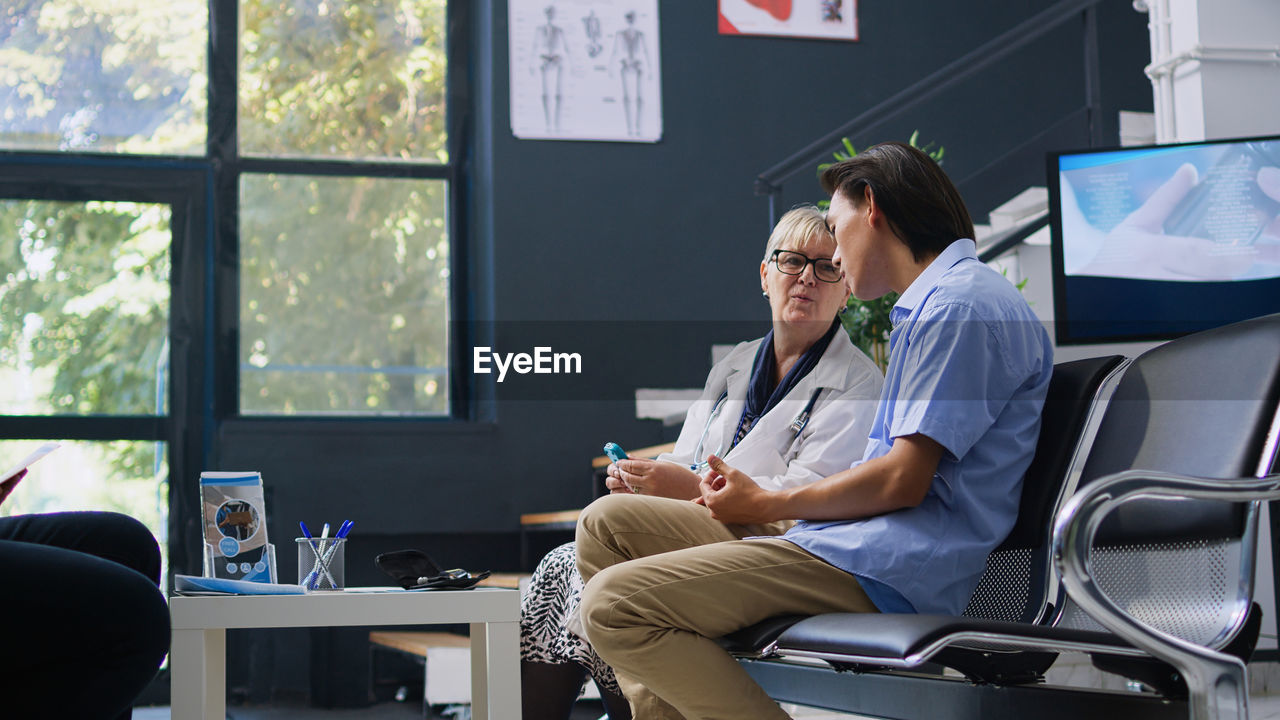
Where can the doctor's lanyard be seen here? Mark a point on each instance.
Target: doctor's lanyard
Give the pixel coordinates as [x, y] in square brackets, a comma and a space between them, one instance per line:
[797, 425]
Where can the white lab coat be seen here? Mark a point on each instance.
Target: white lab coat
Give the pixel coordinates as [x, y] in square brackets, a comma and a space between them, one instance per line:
[771, 453]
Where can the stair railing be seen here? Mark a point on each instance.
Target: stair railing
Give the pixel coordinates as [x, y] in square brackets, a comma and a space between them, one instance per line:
[769, 182]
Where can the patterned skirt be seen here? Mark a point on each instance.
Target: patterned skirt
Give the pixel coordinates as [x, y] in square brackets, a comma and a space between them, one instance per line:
[554, 594]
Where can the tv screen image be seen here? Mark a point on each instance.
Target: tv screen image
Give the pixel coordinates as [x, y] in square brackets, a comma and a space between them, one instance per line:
[1160, 241]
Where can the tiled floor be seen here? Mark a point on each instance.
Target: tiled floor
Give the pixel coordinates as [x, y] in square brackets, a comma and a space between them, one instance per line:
[1260, 708]
[1072, 670]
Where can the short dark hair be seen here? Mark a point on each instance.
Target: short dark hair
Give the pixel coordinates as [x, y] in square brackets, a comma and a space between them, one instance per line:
[922, 206]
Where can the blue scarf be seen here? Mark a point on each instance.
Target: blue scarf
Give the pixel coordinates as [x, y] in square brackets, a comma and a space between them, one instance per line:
[762, 396]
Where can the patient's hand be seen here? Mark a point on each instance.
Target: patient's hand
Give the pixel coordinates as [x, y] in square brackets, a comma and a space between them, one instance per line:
[732, 496]
[9, 484]
[653, 477]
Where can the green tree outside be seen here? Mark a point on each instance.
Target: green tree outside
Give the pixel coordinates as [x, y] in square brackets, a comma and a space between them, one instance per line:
[354, 80]
[343, 278]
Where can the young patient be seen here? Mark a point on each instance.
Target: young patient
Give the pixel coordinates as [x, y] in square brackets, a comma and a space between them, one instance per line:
[906, 529]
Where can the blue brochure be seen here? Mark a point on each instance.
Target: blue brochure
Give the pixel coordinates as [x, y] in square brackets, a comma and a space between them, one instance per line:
[199, 585]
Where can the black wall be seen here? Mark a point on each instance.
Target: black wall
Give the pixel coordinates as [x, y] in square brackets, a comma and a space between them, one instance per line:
[640, 256]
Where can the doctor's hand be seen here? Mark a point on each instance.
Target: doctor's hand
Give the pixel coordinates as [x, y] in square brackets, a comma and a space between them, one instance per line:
[732, 496]
[8, 485]
[652, 477]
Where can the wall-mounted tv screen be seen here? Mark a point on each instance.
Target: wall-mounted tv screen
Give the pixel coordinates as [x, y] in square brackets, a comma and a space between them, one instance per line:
[1154, 242]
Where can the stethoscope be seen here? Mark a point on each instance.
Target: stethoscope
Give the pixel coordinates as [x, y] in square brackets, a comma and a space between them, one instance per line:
[798, 424]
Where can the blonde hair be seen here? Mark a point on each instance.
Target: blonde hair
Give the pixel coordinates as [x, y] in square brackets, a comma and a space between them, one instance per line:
[799, 223]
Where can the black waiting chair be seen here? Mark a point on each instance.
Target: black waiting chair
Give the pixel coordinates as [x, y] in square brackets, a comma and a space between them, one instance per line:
[1155, 551]
[1018, 580]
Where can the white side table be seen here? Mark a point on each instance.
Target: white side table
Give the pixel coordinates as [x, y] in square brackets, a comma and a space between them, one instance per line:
[198, 654]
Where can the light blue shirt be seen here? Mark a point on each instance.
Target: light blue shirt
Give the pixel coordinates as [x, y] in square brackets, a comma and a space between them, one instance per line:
[969, 365]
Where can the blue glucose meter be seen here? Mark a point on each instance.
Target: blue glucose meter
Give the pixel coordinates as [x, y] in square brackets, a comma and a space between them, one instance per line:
[615, 451]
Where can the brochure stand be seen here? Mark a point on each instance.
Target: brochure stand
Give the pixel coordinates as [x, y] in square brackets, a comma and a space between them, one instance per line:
[236, 546]
[262, 570]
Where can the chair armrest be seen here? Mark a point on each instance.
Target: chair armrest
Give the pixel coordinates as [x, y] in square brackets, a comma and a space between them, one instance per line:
[1215, 680]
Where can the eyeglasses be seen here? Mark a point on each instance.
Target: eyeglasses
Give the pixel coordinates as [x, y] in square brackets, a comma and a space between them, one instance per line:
[790, 262]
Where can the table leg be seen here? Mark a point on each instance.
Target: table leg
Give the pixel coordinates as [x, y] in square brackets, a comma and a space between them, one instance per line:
[495, 671]
[198, 669]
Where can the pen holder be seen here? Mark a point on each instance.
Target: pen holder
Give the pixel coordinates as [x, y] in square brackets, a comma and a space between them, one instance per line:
[321, 563]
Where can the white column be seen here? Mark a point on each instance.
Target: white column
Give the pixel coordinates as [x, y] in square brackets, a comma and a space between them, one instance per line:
[1215, 69]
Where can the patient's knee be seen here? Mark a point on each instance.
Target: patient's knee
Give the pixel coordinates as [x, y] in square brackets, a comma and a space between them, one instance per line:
[599, 604]
[596, 518]
[596, 549]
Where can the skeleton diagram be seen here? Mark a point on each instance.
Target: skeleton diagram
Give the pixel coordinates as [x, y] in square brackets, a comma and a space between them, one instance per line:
[550, 55]
[592, 25]
[628, 47]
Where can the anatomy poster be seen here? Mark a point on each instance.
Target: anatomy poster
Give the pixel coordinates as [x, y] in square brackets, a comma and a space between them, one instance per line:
[830, 19]
[585, 70]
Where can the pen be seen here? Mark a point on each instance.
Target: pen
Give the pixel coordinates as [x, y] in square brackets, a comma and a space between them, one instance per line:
[306, 582]
[343, 529]
[312, 580]
[341, 535]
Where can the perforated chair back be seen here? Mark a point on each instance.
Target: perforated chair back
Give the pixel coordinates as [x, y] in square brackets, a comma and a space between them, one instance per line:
[1200, 406]
[1015, 585]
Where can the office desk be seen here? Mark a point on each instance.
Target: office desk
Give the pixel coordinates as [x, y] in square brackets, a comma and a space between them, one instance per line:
[198, 654]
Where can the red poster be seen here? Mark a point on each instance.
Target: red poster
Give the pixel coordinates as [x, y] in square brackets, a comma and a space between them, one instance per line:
[828, 19]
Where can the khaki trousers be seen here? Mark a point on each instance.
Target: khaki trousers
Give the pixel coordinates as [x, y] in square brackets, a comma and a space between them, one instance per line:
[663, 579]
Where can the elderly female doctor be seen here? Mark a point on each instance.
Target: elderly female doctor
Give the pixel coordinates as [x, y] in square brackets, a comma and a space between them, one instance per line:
[788, 409]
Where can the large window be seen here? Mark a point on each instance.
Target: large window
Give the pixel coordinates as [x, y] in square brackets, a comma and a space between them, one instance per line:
[343, 295]
[84, 318]
[194, 230]
[84, 322]
[351, 79]
[121, 475]
[124, 76]
[344, 276]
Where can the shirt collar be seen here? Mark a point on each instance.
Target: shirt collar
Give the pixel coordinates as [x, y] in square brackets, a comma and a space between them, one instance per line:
[957, 251]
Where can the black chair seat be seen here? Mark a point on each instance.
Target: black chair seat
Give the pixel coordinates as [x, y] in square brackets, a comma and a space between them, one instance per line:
[905, 639]
[984, 651]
